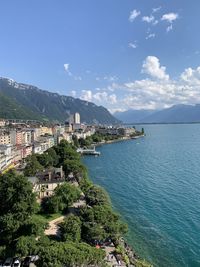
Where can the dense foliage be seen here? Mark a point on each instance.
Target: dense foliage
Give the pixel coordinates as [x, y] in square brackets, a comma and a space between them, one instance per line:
[64, 196]
[70, 229]
[17, 204]
[94, 223]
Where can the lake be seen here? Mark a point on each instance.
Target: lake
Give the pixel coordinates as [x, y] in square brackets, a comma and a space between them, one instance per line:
[154, 183]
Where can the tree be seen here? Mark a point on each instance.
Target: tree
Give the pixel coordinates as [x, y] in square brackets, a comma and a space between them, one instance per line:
[96, 195]
[65, 151]
[93, 233]
[59, 254]
[71, 229]
[45, 160]
[75, 140]
[26, 245]
[17, 204]
[54, 157]
[33, 166]
[74, 166]
[64, 196]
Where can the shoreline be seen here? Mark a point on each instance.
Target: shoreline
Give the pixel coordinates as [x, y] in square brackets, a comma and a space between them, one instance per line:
[118, 140]
[128, 250]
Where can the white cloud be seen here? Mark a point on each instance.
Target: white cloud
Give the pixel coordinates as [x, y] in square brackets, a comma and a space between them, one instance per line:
[66, 68]
[132, 45]
[101, 97]
[148, 19]
[86, 95]
[111, 78]
[113, 99]
[77, 78]
[133, 15]
[191, 76]
[151, 66]
[73, 93]
[149, 93]
[169, 28]
[170, 17]
[155, 22]
[150, 36]
[156, 9]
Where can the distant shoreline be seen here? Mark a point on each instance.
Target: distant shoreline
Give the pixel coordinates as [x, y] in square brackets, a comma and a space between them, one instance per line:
[118, 140]
[159, 123]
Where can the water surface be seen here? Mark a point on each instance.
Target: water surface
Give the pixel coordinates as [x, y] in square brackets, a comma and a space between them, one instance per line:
[154, 183]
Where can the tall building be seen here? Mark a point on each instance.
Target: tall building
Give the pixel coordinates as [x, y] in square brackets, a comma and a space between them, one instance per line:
[77, 118]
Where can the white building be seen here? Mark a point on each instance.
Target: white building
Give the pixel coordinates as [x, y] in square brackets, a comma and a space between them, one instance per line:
[5, 156]
[77, 118]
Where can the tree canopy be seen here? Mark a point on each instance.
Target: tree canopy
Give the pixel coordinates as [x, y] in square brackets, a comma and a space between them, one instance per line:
[17, 203]
[70, 229]
[64, 196]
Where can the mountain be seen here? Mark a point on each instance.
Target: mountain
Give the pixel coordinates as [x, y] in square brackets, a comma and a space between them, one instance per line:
[30, 102]
[175, 114]
[133, 116]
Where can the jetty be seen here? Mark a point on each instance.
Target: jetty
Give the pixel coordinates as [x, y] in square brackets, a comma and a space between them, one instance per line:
[88, 151]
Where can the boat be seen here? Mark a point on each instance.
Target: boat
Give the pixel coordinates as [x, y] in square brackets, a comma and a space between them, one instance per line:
[88, 151]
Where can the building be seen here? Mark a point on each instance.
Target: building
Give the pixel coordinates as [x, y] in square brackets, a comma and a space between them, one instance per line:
[45, 182]
[2, 122]
[5, 137]
[46, 130]
[77, 118]
[6, 157]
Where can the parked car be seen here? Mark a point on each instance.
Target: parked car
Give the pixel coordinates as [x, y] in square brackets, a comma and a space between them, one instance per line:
[16, 262]
[1, 263]
[29, 259]
[34, 258]
[26, 262]
[8, 262]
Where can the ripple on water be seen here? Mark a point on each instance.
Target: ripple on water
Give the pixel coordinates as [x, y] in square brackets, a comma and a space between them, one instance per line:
[156, 188]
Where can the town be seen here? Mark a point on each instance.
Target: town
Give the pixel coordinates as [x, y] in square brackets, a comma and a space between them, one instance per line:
[22, 138]
[52, 203]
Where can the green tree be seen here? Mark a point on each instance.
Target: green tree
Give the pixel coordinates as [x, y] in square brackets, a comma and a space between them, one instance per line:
[71, 229]
[74, 166]
[96, 195]
[65, 151]
[64, 196]
[45, 160]
[93, 233]
[75, 140]
[17, 204]
[59, 254]
[26, 245]
[54, 157]
[142, 131]
[33, 166]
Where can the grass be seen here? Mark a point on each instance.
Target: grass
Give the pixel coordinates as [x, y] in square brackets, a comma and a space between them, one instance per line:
[46, 218]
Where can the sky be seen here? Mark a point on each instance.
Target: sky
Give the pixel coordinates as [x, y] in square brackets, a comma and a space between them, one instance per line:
[122, 54]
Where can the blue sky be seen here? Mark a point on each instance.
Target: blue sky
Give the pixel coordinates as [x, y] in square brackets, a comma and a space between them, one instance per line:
[121, 54]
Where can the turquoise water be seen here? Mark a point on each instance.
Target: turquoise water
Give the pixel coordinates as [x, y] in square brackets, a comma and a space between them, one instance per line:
[154, 183]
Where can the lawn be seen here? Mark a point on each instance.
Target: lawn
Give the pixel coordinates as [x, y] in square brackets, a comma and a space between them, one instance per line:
[46, 218]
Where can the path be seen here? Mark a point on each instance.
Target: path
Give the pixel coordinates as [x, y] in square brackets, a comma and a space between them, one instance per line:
[53, 228]
[110, 257]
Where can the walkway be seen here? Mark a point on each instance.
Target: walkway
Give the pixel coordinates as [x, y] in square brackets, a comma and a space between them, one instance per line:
[110, 257]
[53, 228]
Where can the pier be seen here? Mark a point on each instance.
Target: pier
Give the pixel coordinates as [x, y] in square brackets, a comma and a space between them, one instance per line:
[88, 151]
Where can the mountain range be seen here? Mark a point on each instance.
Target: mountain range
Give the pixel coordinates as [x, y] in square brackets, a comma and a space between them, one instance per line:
[23, 101]
[175, 114]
